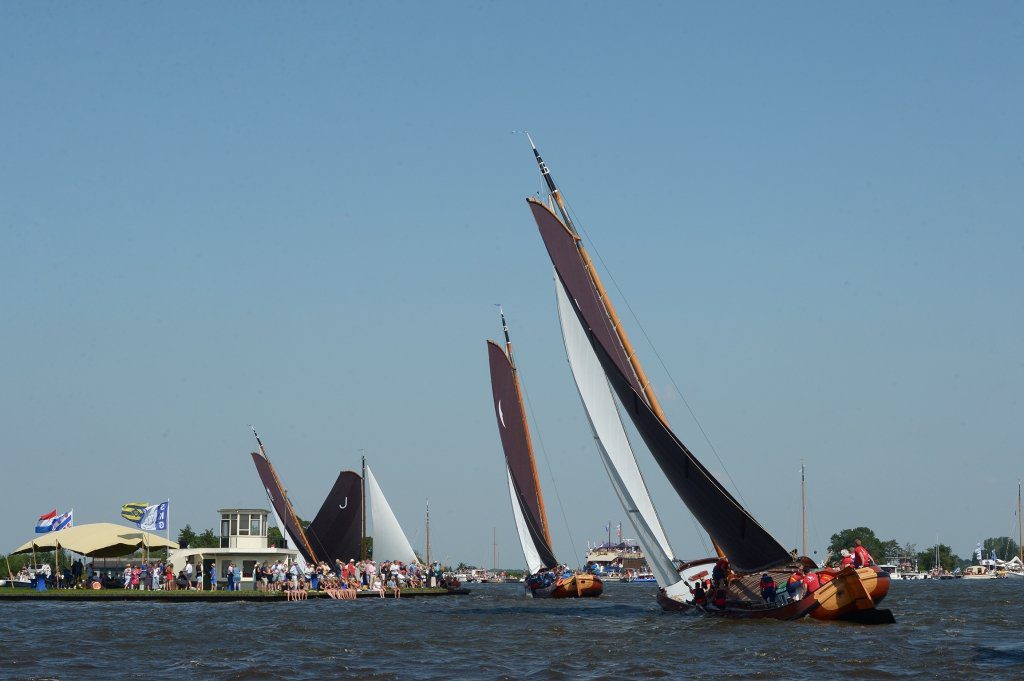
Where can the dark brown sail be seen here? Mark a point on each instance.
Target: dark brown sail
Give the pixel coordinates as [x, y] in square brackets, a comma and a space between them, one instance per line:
[336, 531]
[565, 256]
[515, 441]
[281, 505]
[748, 545]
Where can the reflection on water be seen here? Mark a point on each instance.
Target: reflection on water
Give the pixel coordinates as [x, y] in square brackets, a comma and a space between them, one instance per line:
[947, 629]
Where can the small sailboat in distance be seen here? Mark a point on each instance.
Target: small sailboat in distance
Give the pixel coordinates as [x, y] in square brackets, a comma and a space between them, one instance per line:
[747, 552]
[546, 579]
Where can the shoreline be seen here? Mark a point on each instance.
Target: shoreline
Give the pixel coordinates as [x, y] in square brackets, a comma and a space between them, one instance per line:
[183, 596]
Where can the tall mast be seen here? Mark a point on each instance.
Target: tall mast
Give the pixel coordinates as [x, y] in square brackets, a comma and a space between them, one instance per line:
[288, 502]
[613, 316]
[1020, 529]
[606, 302]
[362, 513]
[428, 532]
[494, 549]
[526, 427]
[803, 507]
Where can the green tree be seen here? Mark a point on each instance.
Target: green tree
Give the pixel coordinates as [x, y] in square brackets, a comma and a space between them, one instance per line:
[206, 540]
[1005, 547]
[274, 537]
[891, 550]
[844, 539]
[947, 559]
[186, 537]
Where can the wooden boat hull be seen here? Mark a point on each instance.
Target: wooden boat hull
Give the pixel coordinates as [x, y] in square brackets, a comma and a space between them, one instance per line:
[849, 595]
[577, 586]
[852, 595]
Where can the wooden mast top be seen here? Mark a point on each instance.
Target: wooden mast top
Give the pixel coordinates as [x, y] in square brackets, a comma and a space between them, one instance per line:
[602, 293]
[606, 303]
[526, 427]
[288, 502]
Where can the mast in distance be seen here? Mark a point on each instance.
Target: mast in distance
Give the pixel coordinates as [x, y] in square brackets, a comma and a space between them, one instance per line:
[803, 508]
[362, 537]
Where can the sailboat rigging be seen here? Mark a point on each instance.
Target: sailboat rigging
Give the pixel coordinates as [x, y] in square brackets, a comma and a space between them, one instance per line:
[588, 313]
[523, 483]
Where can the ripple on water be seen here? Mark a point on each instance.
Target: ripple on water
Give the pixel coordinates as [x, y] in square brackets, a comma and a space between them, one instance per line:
[948, 629]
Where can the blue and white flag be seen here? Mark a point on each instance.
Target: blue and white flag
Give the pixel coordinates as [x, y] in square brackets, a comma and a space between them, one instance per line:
[977, 551]
[155, 517]
[51, 522]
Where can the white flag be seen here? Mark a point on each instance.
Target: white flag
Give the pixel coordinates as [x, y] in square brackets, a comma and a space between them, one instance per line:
[154, 518]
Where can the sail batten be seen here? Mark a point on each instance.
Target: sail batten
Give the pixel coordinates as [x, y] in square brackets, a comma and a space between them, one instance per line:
[389, 540]
[522, 470]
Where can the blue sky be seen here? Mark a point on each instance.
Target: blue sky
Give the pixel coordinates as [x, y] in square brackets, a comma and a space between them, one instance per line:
[300, 216]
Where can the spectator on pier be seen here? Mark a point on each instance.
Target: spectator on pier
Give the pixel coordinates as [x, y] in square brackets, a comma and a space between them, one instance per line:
[213, 577]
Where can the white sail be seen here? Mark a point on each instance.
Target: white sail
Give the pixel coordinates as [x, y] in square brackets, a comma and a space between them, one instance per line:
[612, 443]
[389, 541]
[533, 561]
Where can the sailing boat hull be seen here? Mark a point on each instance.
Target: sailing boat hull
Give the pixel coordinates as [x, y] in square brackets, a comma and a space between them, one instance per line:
[577, 586]
[849, 594]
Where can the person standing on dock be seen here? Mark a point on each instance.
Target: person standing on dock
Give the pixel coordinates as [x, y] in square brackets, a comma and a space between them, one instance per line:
[213, 577]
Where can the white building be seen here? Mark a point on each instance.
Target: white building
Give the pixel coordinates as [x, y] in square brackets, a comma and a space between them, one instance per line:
[243, 541]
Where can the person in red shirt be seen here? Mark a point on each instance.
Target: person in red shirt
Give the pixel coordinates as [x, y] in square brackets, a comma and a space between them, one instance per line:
[811, 582]
[861, 557]
[847, 559]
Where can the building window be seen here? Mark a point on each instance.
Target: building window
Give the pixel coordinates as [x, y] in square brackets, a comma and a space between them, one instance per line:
[247, 568]
[243, 523]
[234, 524]
[255, 526]
[225, 525]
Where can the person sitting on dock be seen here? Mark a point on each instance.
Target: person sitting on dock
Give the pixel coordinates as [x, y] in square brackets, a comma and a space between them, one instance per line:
[768, 588]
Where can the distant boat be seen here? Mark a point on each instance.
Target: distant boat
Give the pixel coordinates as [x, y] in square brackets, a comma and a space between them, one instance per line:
[602, 360]
[545, 579]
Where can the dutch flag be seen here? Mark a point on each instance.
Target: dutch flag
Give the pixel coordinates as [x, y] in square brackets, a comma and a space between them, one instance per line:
[45, 523]
[51, 522]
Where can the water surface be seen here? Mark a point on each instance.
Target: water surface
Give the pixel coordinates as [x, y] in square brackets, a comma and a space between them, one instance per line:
[944, 629]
